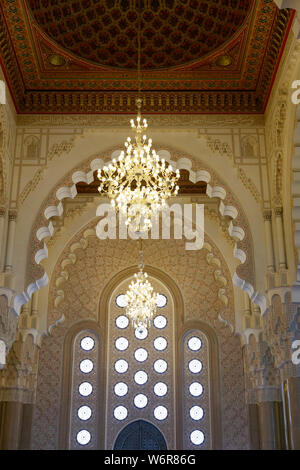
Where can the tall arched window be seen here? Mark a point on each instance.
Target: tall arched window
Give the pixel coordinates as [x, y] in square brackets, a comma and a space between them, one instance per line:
[162, 382]
[196, 391]
[85, 399]
[141, 368]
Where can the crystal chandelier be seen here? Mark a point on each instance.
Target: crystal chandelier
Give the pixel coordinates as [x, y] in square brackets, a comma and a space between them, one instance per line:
[139, 182]
[140, 299]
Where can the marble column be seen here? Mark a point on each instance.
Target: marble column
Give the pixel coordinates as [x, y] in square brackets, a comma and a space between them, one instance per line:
[12, 217]
[280, 238]
[2, 221]
[270, 425]
[269, 240]
[291, 394]
[11, 425]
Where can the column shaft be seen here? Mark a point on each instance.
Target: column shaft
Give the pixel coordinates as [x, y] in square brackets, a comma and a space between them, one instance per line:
[270, 425]
[2, 220]
[10, 242]
[280, 238]
[11, 425]
[269, 241]
[292, 412]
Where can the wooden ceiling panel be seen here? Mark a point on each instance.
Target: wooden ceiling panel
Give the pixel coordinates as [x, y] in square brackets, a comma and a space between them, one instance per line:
[198, 56]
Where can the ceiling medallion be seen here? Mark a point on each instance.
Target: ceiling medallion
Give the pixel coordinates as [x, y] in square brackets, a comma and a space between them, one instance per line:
[56, 60]
[224, 61]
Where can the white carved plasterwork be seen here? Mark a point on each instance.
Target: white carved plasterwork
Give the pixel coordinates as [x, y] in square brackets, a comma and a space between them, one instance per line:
[47, 128]
[36, 151]
[8, 322]
[281, 327]
[261, 376]
[236, 232]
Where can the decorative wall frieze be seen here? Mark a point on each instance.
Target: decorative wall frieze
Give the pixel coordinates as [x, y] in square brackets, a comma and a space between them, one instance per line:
[96, 121]
[56, 150]
[223, 148]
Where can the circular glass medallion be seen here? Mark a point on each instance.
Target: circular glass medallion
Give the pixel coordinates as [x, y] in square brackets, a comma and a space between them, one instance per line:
[121, 366]
[161, 300]
[120, 413]
[141, 354]
[121, 344]
[141, 333]
[194, 343]
[160, 412]
[86, 366]
[122, 322]
[120, 301]
[87, 343]
[160, 343]
[140, 377]
[160, 366]
[140, 400]
[196, 389]
[197, 437]
[84, 412]
[196, 412]
[85, 389]
[195, 366]
[160, 322]
[83, 437]
[160, 389]
[121, 389]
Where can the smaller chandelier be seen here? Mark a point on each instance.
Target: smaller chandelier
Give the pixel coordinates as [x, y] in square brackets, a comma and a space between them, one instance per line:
[140, 298]
[138, 183]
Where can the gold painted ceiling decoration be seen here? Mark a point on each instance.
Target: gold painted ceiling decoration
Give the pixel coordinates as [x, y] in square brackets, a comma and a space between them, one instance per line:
[174, 32]
[198, 56]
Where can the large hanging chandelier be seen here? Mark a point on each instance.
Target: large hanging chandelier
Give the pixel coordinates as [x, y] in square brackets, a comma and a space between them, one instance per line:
[140, 298]
[138, 183]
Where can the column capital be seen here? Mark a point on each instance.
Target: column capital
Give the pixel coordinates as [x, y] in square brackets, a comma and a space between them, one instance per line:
[12, 214]
[2, 211]
[278, 211]
[267, 214]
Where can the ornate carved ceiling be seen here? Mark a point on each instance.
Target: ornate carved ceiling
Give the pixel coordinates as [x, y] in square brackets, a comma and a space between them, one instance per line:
[197, 56]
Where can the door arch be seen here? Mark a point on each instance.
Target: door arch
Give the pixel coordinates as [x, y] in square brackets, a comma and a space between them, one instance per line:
[140, 435]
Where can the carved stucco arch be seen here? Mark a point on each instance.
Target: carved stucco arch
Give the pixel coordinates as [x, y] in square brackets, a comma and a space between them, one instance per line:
[62, 274]
[228, 206]
[77, 285]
